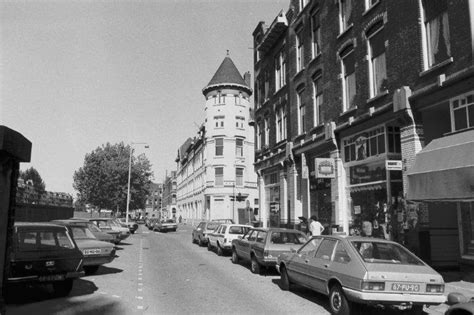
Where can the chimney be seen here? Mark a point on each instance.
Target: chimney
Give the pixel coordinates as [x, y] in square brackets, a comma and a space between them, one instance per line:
[247, 78]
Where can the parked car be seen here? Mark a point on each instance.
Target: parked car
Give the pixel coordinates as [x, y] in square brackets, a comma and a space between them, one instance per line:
[132, 225]
[108, 225]
[96, 253]
[352, 270]
[262, 246]
[150, 223]
[221, 238]
[463, 308]
[44, 253]
[165, 225]
[200, 232]
[98, 233]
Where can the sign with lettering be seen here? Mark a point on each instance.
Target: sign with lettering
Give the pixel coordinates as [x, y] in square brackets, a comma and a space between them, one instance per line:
[393, 165]
[324, 168]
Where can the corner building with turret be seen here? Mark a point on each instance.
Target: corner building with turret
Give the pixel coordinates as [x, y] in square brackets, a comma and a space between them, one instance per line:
[215, 172]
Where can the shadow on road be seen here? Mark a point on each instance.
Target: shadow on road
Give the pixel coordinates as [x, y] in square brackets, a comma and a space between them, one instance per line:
[26, 293]
[104, 270]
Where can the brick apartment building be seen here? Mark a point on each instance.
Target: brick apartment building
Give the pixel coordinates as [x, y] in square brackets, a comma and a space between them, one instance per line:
[347, 96]
[169, 196]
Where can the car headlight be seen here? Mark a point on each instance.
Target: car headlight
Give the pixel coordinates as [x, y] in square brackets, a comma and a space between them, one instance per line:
[373, 286]
[435, 288]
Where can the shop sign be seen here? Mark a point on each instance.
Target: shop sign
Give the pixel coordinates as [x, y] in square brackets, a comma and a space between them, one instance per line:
[393, 165]
[325, 168]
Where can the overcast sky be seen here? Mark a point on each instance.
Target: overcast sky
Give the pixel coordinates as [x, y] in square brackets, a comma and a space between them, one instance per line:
[77, 74]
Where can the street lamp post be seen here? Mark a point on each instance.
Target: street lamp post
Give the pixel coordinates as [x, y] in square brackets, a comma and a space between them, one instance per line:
[130, 175]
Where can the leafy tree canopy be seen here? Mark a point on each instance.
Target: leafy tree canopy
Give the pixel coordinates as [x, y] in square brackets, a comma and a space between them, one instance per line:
[103, 179]
[32, 175]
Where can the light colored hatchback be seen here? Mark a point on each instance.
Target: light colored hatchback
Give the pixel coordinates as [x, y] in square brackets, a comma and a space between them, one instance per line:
[221, 238]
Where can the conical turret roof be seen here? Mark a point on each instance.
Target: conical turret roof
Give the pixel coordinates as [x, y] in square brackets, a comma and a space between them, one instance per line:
[226, 74]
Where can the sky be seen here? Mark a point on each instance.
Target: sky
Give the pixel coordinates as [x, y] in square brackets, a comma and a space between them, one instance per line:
[75, 75]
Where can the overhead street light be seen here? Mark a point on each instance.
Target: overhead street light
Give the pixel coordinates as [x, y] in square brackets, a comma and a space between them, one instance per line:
[129, 175]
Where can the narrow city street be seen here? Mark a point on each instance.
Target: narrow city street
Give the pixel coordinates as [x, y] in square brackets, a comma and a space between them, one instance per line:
[164, 273]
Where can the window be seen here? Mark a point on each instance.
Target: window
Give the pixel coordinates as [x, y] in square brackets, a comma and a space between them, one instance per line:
[437, 45]
[462, 112]
[239, 147]
[267, 131]
[299, 50]
[238, 99]
[310, 248]
[219, 172]
[326, 249]
[267, 85]
[219, 146]
[377, 66]
[315, 35]
[279, 125]
[261, 237]
[303, 3]
[301, 112]
[341, 255]
[252, 235]
[345, 13]
[370, 3]
[317, 100]
[239, 176]
[394, 141]
[221, 98]
[284, 123]
[259, 135]
[219, 121]
[280, 71]
[371, 143]
[349, 80]
[239, 122]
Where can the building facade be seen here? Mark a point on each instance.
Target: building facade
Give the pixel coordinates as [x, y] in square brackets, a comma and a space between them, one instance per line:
[168, 208]
[154, 201]
[215, 172]
[359, 88]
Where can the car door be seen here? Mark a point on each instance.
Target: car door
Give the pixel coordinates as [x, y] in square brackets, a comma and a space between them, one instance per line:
[220, 234]
[258, 246]
[318, 267]
[298, 268]
[243, 248]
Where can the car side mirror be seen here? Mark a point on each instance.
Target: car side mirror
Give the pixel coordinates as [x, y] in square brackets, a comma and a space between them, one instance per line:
[293, 250]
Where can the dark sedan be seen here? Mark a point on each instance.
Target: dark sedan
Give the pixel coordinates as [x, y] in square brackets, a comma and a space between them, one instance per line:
[262, 246]
[200, 232]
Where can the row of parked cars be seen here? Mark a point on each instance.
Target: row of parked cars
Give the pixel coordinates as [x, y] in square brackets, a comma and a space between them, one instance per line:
[158, 225]
[351, 271]
[59, 251]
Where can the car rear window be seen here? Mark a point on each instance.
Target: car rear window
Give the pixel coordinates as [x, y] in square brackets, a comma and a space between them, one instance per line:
[238, 230]
[287, 238]
[388, 253]
[43, 240]
[81, 232]
[212, 226]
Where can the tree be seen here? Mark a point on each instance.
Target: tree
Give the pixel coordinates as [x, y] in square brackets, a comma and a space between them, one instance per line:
[103, 179]
[32, 175]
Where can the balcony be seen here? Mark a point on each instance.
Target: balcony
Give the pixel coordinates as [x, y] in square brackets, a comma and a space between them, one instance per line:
[276, 29]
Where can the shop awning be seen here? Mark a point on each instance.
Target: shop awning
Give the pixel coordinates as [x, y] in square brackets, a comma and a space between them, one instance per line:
[444, 170]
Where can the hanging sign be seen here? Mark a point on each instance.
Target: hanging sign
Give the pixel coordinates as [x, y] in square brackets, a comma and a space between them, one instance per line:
[324, 168]
[393, 165]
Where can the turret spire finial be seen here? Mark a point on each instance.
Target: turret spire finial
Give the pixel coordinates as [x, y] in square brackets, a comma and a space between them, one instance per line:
[228, 52]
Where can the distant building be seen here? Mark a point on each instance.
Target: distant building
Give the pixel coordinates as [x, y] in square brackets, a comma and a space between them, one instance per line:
[215, 173]
[168, 209]
[153, 203]
[27, 194]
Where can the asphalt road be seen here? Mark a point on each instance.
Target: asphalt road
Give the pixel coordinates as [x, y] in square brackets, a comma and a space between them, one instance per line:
[164, 273]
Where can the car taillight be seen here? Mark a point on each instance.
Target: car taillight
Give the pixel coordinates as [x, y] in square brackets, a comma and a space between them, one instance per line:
[435, 288]
[225, 240]
[373, 286]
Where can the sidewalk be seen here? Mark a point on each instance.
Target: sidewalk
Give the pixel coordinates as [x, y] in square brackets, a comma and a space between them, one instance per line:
[456, 281]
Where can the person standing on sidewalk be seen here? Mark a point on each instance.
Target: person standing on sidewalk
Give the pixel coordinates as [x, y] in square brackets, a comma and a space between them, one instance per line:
[315, 227]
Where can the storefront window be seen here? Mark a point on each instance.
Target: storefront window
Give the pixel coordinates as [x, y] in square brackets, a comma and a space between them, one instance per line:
[272, 192]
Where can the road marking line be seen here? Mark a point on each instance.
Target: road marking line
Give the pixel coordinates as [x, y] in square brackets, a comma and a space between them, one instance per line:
[140, 279]
[139, 307]
[139, 283]
[140, 297]
[140, 289]
[116, 296]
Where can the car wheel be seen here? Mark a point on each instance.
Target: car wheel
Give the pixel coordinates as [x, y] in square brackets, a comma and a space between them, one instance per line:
[193, 239]
[235, 258]
[220, 252]
[209, 246]
[338, 302]
[201, 243]
[284, 279]
[62, 288]
[254, 265]
[90, 269]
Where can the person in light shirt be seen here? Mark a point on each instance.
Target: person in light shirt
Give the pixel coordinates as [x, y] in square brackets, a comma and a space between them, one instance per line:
[315, 228]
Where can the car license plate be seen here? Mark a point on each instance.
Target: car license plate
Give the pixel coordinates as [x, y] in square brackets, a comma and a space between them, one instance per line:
[52, 278]
[91, 251]
[406, 287]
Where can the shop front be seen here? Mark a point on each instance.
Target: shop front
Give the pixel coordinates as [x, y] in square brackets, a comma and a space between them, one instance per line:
[372, 160]
[272, 193]
[323, 171]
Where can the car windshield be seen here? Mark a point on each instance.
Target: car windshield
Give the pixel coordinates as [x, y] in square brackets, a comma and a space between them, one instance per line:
[93, 227]
[81, 232]
[287, 238]
[103, 224]
[388, 253]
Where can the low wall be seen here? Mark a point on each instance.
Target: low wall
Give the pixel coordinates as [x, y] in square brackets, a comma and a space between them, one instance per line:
[41, 213]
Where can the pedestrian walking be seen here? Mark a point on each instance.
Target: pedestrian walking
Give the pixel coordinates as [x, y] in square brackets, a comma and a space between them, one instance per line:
[315, 227]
